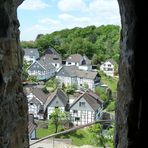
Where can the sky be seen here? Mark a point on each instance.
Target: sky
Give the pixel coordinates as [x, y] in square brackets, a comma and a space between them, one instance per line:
[46, 16]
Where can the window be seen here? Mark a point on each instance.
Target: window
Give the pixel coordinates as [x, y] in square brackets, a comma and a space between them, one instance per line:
[77, 118]
[81, 104]
[109, 65]
[69, 63]
[110, 69]
[56, 107]
[75, 111]
[31, 103]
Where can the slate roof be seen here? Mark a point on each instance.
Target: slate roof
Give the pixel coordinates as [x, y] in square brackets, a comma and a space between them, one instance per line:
[73, 71]
[51, 51]
[67, 71]
[92, 101]
[77, 58]
[57, 93]
[40, 94]
[53, 58]
[31, 52]
[52, 55]
[31, 124]
[44, 62]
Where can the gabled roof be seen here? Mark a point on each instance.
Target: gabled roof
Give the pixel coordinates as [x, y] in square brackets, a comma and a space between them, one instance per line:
[73, 71]
[57, 93]
[52, 58]
[40, 94]
[51, 51]
[77, 58]
[67, 71]
[92, 101]
[31, 52]
[44, 62]
[31, 124]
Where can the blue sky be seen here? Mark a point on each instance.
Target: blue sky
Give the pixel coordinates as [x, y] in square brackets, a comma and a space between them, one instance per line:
[46, 16]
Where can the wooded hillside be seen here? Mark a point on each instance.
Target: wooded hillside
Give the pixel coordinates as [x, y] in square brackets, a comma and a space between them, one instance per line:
[98, 43]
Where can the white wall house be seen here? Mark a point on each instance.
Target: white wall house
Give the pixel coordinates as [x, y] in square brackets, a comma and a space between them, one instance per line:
[108, 68]
[82, 62]
[36, 101]
[86, 109]
[69, 75]
[57, 99]
[53, 57]
[31, 55]
[42, 69]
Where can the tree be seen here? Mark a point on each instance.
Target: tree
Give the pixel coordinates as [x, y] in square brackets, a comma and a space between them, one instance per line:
[56, 118]
[102, 136]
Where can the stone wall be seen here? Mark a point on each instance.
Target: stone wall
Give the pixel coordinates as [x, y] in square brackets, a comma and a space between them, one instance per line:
[13, 104]
[131, 123]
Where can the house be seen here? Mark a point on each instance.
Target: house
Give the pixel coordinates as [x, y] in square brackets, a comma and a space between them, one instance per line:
[82, 62]
[31, 54]
[53, 57]
[58, 99]
[86, 108]
[70, 75]
[108, 67]
[36, 101]
[42, 69]
[31, 127]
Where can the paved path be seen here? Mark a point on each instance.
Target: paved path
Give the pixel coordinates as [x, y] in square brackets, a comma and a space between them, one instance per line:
[49, 143]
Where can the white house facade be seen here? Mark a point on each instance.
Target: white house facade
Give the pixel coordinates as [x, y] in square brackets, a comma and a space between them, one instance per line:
[82, 62]
[85, 109]
[57, 99]
[36, 101]
[41, 69]
[108, 68]
[69, 75]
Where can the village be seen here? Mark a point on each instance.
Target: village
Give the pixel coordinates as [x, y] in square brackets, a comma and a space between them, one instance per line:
[76, 74]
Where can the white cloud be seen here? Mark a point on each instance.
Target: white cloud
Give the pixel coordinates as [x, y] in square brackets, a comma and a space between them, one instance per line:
[50, 22]
[106, 11]
[70, 5]
[33, 5]
[73, 21]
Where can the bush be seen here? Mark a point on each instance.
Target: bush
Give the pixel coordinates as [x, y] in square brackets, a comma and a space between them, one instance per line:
[111, 106]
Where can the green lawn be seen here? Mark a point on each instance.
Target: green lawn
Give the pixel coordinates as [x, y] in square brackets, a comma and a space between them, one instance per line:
[42, 132]
[79, 137]
[110, 81]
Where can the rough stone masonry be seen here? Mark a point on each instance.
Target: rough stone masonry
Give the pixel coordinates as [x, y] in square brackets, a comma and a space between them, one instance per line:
[13, 104]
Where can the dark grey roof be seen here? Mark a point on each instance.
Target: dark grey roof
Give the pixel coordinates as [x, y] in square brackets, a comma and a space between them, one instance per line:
[73, 71]
[51, 51]
[52, 58]
[77, 58]
[43, 61]
[40, 94]
[57, 93]
[94, 103]
[31, 124]
[95, 96]
[31, 52]
[67, 71]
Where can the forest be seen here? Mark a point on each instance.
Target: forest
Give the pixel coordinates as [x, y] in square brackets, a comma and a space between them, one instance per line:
[98, 43]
